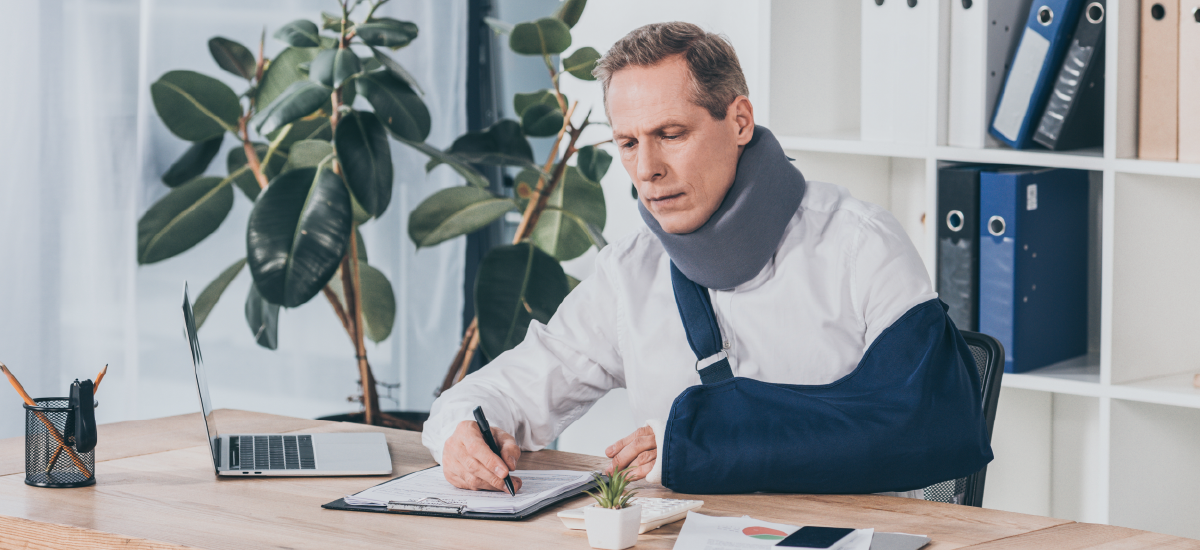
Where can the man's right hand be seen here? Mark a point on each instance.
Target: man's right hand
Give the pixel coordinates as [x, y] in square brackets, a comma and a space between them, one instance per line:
[469, 463]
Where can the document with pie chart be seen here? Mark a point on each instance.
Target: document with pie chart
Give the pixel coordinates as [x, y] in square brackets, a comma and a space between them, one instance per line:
[701, 532]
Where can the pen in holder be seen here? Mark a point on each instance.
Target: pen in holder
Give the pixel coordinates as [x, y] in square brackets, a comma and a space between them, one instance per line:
[52, 444]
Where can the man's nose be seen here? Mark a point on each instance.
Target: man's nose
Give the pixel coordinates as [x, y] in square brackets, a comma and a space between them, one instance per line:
[650, 165]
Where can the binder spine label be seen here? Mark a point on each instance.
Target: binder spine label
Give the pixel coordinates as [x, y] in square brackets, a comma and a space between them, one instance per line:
[956, 279]
[1066, 89]
[998, 199]
[1022, 78]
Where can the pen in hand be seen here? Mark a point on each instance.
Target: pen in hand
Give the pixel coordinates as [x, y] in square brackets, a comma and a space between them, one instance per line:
[486, 430]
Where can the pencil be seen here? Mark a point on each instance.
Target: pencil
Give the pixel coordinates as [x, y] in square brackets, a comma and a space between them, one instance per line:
[99, 377]
[49, 425]
[17, 386]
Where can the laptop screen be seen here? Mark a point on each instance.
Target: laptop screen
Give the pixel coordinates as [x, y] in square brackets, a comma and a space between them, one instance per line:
[189, 331]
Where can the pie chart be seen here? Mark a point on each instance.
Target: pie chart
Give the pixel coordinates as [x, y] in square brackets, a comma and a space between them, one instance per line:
[764, 533]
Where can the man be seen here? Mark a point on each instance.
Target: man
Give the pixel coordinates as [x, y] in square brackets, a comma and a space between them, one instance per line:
[804, 277]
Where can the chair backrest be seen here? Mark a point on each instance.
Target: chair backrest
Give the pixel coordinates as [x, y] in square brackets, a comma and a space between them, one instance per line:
[989, 359]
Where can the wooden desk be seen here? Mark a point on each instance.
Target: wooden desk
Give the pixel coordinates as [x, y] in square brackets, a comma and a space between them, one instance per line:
[156, 489]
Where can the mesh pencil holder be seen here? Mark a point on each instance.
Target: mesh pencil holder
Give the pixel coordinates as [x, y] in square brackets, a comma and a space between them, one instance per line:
[47, 462]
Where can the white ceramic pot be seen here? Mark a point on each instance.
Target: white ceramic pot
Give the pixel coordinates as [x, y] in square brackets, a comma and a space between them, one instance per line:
[612, 529]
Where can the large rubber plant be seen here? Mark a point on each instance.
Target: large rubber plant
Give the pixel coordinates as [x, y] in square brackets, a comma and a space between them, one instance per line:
[314, 166]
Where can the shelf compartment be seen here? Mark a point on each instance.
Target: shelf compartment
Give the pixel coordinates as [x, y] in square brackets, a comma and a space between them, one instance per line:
[973, 97]
[816, 54]
[1153, 470]
[1047, 449]
[1155, 295]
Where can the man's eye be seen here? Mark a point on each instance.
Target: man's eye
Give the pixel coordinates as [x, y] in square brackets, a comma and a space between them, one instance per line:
[671, 136]
[628, 144]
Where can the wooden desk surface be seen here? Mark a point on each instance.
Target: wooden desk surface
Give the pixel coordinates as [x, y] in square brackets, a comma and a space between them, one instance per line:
[156, 489]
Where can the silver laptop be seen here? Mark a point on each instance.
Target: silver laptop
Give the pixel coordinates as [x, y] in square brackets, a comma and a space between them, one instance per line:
[333, 454]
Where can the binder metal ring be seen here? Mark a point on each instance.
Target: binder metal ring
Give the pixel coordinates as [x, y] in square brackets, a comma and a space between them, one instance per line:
[1045, 15]
[996, 226]
[1157, 11]
[955, 220]
[1094, 12]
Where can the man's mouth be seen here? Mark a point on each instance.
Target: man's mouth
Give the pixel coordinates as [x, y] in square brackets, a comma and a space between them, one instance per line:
[665, 198]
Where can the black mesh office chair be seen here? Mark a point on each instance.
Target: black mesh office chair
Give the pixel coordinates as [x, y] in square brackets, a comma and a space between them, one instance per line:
[989, 359]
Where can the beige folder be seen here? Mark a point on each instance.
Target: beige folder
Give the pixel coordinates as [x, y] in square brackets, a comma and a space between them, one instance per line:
[1158, 94]
[1189, 81]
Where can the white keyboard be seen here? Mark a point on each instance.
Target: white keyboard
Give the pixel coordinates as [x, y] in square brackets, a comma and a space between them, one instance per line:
[656, 512]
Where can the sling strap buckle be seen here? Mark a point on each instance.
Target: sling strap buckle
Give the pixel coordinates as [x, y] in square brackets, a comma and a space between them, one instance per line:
[710, 360]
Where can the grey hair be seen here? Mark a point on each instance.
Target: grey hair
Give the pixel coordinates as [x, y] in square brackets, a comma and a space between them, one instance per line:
[717, 77]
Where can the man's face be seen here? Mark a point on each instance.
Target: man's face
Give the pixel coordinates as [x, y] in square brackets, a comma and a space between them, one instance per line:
[680, 158]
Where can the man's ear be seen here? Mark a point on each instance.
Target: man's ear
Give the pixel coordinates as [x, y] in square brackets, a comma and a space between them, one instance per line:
[742, 112]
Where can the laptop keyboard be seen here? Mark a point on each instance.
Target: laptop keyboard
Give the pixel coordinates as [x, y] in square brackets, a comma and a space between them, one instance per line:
[271, 452]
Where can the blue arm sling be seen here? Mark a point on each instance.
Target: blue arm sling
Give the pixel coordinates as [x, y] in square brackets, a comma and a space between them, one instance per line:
[910, 415]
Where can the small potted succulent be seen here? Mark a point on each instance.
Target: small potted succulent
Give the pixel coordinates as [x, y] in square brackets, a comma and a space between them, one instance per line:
[612, 522]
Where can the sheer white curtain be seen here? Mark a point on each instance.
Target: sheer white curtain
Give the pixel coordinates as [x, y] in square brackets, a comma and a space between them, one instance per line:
[81, 153]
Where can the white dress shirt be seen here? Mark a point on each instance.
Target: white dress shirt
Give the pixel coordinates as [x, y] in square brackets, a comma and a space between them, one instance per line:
[844, 271]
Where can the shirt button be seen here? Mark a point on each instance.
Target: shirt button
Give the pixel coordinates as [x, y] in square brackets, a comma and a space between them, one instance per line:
[725, 344]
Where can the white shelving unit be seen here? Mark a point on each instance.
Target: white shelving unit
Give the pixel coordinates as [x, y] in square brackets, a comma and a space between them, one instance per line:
[1113, 437]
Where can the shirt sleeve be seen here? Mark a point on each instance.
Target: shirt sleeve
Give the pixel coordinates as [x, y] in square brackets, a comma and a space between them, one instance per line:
[888, 276]
[549, 380]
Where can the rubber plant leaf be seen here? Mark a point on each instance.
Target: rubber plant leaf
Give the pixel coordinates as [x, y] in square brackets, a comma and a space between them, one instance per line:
[211, 293]
[396, 104]
[195, 107]
[182, 218]
[297, 234]
[193, 162]
[454, 211]
[516, 284]
[366, 159]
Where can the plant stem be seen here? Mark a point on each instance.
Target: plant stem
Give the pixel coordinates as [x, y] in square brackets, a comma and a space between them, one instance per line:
[457, 365]
[337, 309]
[258, 67]
[373, 8]
[534, 209]
[351, 281]
[352, 290]
[543, 195]
[468, 356]
[251, 154]
[247, 145]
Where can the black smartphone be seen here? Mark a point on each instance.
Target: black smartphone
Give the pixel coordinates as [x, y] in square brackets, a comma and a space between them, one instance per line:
[815, 537]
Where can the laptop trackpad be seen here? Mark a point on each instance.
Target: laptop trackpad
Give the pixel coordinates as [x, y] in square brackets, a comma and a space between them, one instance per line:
[358, 452]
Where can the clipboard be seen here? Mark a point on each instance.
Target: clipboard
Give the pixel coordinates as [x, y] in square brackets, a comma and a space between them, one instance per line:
[438, 508]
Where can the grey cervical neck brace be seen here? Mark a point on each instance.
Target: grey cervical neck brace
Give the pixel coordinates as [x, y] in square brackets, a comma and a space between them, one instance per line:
[741, 236]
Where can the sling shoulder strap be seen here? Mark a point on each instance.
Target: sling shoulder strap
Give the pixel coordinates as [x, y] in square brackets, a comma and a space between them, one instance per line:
[700, 323]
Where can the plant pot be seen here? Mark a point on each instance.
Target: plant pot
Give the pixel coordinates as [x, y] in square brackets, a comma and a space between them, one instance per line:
[404, 420]
[612, 529]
